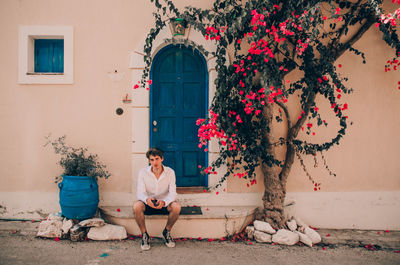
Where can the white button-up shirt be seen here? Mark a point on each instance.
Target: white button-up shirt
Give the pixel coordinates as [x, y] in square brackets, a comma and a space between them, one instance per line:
[163, 188]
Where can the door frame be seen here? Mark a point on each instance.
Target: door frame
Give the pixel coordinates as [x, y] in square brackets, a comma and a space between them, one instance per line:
[206, 95]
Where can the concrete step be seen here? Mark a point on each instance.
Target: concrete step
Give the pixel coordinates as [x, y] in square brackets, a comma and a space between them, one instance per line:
[214, 222]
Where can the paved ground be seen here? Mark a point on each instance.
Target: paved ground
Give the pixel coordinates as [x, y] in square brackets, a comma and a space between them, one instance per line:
[18, 245]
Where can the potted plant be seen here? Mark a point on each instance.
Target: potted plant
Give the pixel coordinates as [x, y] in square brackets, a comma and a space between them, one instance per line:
[79, 193]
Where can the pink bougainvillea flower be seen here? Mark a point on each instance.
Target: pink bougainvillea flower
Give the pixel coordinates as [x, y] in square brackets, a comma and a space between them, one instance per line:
[56, 239]
[370, 247]
[397, 251]
[386, 231]
[250, 243]
[210, 240]
[324, 248]
[199, 238]
[339, 65]
[328, 235]
[150, 82]
[136, 86]
[217, 193]
[118, 209]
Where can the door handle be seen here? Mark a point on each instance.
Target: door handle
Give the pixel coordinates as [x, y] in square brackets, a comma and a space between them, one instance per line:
[154, 126]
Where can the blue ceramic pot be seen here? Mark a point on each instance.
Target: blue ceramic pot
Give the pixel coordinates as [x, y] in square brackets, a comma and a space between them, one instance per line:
[79, 197]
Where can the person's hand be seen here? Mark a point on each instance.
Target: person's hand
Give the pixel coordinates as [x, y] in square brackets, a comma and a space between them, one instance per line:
[150, 202]
[160, 204]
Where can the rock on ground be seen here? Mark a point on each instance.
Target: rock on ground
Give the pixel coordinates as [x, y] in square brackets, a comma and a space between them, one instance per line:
[304, 239]
[285, 237]
[264, 227]
[250, 232]
[50, 228]
[77, 233]
[262, 237]
[312, 234]
[107, 232]
[292, 225]
[94, 222]
[66, 226]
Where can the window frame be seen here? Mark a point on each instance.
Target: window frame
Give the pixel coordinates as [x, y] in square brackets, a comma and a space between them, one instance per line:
[27, 36]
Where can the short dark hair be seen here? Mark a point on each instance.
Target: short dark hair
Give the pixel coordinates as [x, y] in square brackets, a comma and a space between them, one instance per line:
[154, 151]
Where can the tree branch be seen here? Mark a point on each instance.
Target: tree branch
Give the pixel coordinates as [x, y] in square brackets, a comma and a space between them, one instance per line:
[338, 51]
[285, 109]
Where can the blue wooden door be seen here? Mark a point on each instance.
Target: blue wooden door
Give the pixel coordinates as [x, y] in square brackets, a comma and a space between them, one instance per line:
[177, 100]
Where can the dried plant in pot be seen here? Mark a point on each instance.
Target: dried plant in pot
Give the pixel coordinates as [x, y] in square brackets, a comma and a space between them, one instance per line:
[79, 193]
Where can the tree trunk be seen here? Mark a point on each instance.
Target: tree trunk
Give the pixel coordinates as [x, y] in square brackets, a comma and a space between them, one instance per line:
[275, 178]
[274, 197]
[275, 189]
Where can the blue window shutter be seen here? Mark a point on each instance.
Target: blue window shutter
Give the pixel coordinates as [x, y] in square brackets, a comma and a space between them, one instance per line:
[49, 55]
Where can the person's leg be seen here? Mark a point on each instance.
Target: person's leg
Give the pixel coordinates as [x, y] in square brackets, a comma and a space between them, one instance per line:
[174, 209]
[138, 209]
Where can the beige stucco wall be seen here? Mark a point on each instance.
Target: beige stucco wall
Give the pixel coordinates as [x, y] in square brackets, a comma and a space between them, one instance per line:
[366, 159]
[105, 35]
[85, 110]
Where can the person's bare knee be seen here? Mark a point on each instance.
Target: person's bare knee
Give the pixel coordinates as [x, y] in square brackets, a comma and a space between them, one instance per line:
[175, 207]
[138, 207]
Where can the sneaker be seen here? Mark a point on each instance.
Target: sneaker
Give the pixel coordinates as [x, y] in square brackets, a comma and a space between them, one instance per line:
[169, 242]
[145, 241]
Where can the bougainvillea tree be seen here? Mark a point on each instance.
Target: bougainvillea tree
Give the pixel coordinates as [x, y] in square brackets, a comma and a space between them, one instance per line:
[267, 40]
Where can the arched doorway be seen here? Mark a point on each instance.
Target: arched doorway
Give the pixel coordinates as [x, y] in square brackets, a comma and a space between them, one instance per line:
[178, 97]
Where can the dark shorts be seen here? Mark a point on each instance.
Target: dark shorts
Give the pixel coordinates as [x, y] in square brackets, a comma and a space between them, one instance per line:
[152, 211]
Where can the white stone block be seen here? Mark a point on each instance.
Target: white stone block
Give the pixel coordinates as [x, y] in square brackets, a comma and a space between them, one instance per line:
[50, 228]
[136, 60]
[285, 237]
[312, 234]
[93, 222]
[107, 232]
[292, 225]
[250, 232]
[66, 226]
[159, 41]
[211, 63]
[262, 237]
[304, 239]
[140, 130]
[264, 227]
[139, 161]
